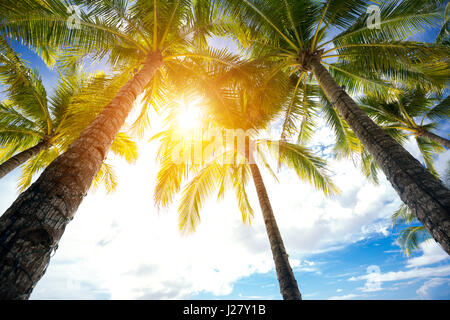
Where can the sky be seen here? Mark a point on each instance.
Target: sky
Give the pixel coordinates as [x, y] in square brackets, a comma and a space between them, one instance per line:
[119, 246]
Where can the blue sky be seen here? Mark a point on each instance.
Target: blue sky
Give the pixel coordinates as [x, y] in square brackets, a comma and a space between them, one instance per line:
[120, 247]
[332, 271]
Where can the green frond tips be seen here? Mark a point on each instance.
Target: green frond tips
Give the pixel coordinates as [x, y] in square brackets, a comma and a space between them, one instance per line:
[369, 167]
[346, 143]
[402, 215]
[409, 238]
[24, 87]
[440, 111]
[308, 167]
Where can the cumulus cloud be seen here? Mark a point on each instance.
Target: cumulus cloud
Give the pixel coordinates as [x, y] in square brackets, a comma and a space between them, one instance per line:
[432, 253]
[305, 266]
[437, 288]
[415, 270]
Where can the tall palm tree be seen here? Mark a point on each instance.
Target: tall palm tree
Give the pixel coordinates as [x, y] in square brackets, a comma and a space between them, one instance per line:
[35, 129]
[234, 104]
[306, 36]
[414, 113]
[141, 39]
[400, 117]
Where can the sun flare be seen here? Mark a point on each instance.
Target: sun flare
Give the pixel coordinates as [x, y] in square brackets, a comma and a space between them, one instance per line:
[189, 115]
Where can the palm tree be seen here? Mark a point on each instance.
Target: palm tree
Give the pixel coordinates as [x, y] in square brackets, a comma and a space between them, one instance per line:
[413, 112]
[303, 35]
[398, 117]
[234, 104]
[34, 129]
[142, 40]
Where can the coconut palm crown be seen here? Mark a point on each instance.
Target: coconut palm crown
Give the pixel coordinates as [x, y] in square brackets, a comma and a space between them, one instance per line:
[37, 128]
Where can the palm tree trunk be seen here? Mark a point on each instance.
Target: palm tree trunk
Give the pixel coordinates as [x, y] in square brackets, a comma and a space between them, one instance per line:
[436, 138]
[288, 285]
[20, 158]
[425, 195]
[32, 227]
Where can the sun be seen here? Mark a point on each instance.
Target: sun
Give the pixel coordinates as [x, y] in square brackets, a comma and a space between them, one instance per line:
[189, 115]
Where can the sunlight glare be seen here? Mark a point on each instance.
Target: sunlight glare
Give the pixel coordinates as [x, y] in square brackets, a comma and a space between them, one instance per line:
[189, 115]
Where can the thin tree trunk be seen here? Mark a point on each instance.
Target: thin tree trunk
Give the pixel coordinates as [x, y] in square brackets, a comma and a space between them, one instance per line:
[32, 227]
[20, 158]
[436, 138]
[425, 195]
[288, 285]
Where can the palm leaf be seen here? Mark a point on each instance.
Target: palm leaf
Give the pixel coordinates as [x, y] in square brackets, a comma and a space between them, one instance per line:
[308, 167]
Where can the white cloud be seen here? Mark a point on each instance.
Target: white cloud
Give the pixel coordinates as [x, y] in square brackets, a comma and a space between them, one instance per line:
[440, 271]
[411, 147]
[305, 266]
[426, 291]
[442, 164]
[310, 295]
[415, 270]
[432, 253]
[346, 297]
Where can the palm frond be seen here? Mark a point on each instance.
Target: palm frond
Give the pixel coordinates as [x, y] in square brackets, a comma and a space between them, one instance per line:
[427, 149]
[240, 178]
[411, 237]
[106, 177]
[346, 143]
[369, 167]
[125, 147]
[195, 194]
[440, 111]
[34, 165]
[24, 86]
[308, 167]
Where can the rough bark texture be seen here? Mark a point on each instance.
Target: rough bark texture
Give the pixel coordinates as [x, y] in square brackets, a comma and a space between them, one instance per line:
[20, 158]
[436, 138]
[32, 227]
[425, 195]
[288, 285]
